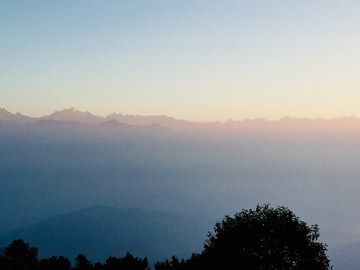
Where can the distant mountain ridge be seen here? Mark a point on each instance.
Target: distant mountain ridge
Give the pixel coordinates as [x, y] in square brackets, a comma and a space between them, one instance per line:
[349, 125]
[73, 114]
[5, 115]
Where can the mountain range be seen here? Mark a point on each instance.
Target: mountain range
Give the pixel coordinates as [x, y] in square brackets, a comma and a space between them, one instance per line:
[303, 125]
[75, 115]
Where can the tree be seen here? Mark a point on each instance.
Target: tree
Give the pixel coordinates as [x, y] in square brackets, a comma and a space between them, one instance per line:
[264, 238]
[174, 264]
[128, 262]
[98, 266]
[54, 263]
[81, 263]
[3, 263]
[19, 256]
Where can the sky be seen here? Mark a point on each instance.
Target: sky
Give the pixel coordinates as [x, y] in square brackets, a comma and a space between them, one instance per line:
[195, 60]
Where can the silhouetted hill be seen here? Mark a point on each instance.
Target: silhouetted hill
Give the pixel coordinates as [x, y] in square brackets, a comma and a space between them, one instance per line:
[100, 232]
[115, 126]
[49, 130]
[162, 120]
[56, 125]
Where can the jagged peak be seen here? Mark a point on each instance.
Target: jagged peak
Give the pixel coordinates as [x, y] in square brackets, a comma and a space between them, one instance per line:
[74, 109]
[5, 111]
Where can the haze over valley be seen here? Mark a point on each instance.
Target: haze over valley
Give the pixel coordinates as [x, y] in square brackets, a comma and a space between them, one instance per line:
[73, 160]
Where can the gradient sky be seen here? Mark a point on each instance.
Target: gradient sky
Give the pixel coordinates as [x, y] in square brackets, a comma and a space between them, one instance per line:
[195, 60]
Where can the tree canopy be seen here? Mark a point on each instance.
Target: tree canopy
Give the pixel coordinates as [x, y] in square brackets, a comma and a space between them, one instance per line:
[19, 255]
[264, 238]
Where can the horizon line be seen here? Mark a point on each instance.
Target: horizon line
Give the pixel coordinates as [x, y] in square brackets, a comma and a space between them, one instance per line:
[75, 109]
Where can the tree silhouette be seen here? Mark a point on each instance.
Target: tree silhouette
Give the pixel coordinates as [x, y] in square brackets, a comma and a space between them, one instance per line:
[98, 266]
[19, 256]
[128, 262]
[264, 238]
[3, 263]
[55, 263]
[173, 264]
[81, 263]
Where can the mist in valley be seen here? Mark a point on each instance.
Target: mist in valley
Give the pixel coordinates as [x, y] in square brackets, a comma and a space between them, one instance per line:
[69, 187]
[195, 174]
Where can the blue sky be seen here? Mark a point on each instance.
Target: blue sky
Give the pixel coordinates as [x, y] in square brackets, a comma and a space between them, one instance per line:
[194, 60]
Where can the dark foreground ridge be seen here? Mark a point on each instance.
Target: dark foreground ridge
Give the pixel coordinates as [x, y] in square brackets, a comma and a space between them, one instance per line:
[102, 231]
[263, 238]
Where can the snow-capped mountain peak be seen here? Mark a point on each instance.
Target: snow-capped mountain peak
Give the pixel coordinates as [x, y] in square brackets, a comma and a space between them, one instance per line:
[74, 109]
[5, 115]
[75, 115]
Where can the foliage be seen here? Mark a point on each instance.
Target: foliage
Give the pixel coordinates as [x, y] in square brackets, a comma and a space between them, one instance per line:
[81, 263]
[19, 256]
[174, 263]
[129, 262]
[3, 263]
[54, 263]
[265, 238]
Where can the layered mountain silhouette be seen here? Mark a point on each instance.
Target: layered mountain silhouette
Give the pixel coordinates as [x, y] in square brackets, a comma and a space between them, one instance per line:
[69, 124]
[73, 114]
[5, 115]
[304, 126]
[101, 231]
[114, 125]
